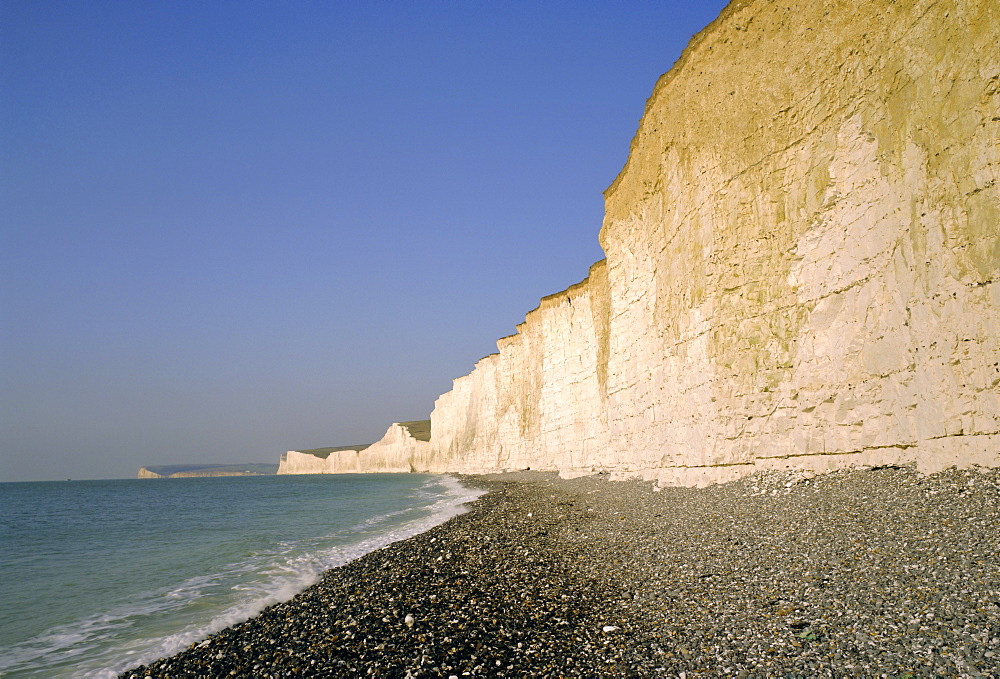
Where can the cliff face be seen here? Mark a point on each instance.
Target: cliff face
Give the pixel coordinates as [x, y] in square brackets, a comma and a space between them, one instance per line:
[802, 265]
[398, 451]
[320, 460]
[403, 448]
[541, 402]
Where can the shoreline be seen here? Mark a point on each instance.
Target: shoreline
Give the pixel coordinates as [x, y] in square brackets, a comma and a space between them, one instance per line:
[853, 572]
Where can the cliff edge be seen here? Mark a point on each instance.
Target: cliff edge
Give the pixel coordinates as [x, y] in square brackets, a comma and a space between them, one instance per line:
[802, 267]
[802, 259]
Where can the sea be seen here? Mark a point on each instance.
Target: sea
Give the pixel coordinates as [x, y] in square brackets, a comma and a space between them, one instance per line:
[98, 577]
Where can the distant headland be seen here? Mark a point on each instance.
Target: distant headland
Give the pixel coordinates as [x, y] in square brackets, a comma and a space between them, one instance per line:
[178, 471]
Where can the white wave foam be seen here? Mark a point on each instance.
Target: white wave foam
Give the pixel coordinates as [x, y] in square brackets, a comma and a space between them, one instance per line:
[266, 578]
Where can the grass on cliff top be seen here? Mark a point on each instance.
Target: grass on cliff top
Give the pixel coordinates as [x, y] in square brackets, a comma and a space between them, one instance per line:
[252, 467]
[324, 453]
[418, 429]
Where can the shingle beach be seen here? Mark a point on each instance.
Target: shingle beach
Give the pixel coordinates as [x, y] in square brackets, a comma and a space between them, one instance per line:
[865, 572]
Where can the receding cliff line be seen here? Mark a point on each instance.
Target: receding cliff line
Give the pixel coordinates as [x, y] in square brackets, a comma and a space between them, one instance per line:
[541, 401]
[182, 471]
[802, 267]
[802, 256]
[404, 447]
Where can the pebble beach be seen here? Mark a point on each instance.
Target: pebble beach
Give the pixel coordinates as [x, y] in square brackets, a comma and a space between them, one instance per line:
[862, 572]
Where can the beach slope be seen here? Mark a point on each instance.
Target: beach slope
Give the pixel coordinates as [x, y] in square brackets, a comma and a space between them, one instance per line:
[857, 572]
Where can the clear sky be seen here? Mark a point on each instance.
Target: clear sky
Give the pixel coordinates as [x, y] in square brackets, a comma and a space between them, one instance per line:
[230, 229]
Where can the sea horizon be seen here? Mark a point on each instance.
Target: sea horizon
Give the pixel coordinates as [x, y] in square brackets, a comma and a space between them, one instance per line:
[147, 466]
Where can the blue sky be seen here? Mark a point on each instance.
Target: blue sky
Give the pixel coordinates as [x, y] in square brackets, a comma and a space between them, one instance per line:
[229, 229]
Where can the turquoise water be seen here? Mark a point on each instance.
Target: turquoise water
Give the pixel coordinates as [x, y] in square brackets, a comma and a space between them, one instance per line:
[97, 577]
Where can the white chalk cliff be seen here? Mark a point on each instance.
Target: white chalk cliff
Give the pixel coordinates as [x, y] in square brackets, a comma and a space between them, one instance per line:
[404, 447]
[802, 265]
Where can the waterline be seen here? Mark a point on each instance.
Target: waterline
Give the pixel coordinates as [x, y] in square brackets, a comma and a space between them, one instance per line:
[240, 544]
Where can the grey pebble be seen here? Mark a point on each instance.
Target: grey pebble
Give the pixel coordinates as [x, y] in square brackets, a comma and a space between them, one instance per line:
[863, 572]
